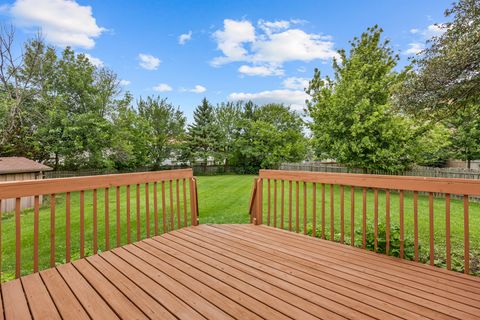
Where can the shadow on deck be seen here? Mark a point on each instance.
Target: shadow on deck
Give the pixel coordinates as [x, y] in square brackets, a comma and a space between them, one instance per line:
[243, 272]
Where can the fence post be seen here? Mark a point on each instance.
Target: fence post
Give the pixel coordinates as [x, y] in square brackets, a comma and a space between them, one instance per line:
[259, 203]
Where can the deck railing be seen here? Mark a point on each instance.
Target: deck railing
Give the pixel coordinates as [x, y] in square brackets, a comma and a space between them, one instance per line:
[349, 208]
[147, 203]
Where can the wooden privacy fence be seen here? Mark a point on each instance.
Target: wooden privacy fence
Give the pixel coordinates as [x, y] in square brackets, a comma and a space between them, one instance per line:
[321, 204]
[148, 202]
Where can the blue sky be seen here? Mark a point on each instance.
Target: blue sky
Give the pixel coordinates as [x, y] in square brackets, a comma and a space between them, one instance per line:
[259, 50]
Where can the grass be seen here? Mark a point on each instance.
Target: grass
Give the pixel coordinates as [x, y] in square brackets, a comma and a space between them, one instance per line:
[225, 199]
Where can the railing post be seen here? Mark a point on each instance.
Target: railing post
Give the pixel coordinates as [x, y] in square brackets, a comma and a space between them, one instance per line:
[258, 202]
[193, 201]
[252, 204]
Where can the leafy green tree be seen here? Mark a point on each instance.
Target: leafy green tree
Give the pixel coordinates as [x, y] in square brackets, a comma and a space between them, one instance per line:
[228, 117]
[270, 134]
[445, 77]
[166, 128]
[352, 118]
[204, 135]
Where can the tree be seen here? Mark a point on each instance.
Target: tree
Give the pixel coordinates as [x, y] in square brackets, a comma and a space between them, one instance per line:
[227, 117]
[445, 77]
[166, 128]
[204, 134]
[270, 134]
[352, 118]
[465, 136]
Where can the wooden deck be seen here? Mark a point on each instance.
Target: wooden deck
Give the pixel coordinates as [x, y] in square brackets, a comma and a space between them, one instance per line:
[242, 272]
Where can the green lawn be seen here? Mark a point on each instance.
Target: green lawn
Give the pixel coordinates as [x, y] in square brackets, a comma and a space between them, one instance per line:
[225, 199]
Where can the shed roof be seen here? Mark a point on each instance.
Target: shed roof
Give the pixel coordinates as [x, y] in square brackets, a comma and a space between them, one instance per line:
[20, 165]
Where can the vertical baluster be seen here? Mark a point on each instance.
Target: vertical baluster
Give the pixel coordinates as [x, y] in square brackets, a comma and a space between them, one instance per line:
[192, 201]
[155, 207]
[304, 208]
[342, 214]
[282, 209]
[332, 214]
[275, 203]
[177, 187]
[432, 248]
[147, 209]
[402, 225]
[268, 202]
[138, 212]
[95, 223]
[415, 222]
[323, 211]
[82, 224]
[117, 211]
[18, 243]
[129, 229]
[375, 219]
[466, 240]
[352, 216]
[297, 207]
[67, 227]
[185, 222]
[172, 224]
[290, 205]
[447, 232]
[314, 210]
[52, 230]
[387, 222]
[1, 216]
[107, 219]
[259, 209]
[364, 217]
[36, 218]
[164, 210]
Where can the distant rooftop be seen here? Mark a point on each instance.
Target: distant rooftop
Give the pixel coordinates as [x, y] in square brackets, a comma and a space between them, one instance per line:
[20, 165]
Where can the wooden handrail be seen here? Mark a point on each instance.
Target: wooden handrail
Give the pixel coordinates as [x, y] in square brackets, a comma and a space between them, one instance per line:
[420, 184]
[142, 196]
[334, 189]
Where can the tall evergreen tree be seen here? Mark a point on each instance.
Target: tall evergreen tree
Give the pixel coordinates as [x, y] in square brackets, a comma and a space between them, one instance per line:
[204, 134]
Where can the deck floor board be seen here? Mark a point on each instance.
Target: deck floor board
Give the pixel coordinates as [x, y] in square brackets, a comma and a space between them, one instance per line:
[240, 272]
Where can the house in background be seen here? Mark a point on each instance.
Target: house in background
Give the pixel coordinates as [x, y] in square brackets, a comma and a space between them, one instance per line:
[18, 169]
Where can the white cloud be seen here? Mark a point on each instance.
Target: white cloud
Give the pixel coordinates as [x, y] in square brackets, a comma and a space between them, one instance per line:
[162, 87]
[267, 70]
[295, 83]
[414, 30]
[198, 89]
[125, 82]
[63, 22]
[149, 62]
[183, 38]
[95, 61]
[302, 69]
[274, 43]
[231, 40]
[294, 98]
[433, 30]
[414, 48]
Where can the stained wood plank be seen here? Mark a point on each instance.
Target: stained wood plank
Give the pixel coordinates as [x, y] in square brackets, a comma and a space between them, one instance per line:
[115, 299]
[65, 301]
[173, 304]
[15, 303]
[140, 298]
[96, 307]
[39, 300]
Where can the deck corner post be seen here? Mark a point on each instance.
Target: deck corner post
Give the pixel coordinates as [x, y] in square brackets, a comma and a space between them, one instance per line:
[258, 202]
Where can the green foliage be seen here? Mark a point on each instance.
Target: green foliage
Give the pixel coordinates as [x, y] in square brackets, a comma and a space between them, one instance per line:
[353, 121]
[445, 77]
[204, 134]
[165, 128]
[270, 134]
